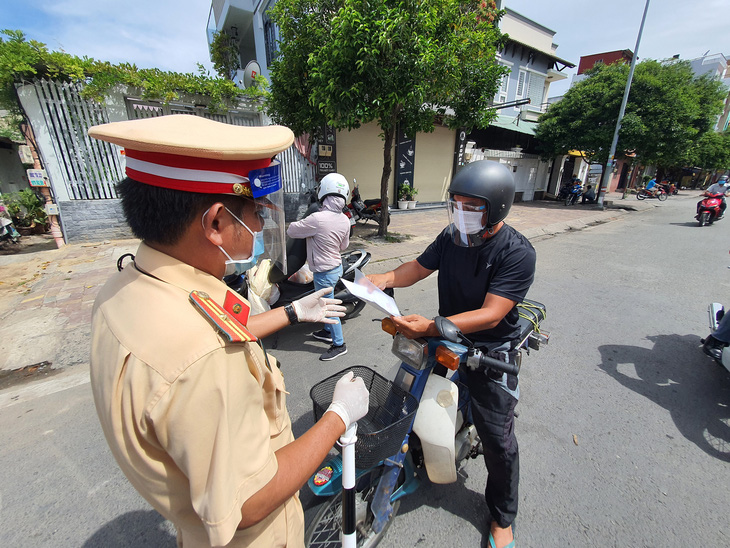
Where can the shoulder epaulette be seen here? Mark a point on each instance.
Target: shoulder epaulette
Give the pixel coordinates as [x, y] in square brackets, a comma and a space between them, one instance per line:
[228, 326]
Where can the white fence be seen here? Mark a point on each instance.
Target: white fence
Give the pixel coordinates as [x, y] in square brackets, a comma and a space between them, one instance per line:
[91, 168]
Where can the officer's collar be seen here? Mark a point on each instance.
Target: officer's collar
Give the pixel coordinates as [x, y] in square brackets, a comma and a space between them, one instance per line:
[177, 273]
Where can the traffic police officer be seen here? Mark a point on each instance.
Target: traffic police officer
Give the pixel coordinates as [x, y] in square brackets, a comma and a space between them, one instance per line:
[192, 407]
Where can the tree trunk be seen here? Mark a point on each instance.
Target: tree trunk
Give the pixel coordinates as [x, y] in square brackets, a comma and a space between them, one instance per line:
[388, 136]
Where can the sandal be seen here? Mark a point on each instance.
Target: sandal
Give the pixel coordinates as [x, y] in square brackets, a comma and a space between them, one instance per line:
[492, 544]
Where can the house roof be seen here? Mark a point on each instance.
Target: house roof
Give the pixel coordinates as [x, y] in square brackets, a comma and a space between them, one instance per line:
[513, 123]
[547, 54]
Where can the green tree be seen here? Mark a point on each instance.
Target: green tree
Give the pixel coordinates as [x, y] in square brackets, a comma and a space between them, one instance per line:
[668, 110]
[400, 63]
[224, 54]
[711, 151]
[26, 60]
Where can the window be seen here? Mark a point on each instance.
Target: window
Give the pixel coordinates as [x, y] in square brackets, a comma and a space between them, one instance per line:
[501, 96]
[269, 38]
[522, 82]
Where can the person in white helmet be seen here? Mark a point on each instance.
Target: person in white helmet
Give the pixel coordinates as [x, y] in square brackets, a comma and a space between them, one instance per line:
[720, 187]
[328, 233]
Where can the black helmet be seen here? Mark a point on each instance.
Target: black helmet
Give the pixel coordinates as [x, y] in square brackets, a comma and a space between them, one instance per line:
[491, 181]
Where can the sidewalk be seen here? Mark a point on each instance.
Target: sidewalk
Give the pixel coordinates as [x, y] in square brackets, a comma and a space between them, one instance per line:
[46, 294]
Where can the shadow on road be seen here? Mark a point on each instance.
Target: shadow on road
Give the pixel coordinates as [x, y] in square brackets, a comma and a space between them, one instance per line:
[678, 376]
[137, 529]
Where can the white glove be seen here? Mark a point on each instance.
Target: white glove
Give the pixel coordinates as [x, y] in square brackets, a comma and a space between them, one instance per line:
[316, 308]
[350, 400]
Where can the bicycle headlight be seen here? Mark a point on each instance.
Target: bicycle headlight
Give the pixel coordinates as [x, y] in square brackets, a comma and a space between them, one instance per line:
[414, 352]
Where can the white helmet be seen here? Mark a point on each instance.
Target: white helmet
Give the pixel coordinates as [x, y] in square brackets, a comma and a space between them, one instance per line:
[333, 184]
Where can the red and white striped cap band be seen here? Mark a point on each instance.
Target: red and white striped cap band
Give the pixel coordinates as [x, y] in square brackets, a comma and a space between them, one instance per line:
[192, 174]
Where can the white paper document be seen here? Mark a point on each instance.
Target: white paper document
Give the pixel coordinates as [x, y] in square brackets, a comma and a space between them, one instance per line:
[366, 290]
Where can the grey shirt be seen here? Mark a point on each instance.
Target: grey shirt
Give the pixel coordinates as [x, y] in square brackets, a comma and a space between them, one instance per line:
[327, 232]
[717, 189]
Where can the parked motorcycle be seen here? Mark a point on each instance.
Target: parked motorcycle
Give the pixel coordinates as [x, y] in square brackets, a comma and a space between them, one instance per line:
[8, 232]
[364, 210]
[574, 194]
[418, 425]
[716, 312]
[660, 194]
[708, 209]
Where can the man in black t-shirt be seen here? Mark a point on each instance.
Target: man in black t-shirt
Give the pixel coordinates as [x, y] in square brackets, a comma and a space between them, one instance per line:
[485, 268]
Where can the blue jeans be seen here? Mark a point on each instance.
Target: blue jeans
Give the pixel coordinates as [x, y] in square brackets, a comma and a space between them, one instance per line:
[329, 279]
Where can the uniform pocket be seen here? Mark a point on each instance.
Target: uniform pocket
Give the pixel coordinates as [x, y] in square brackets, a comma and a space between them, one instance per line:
[275, 400]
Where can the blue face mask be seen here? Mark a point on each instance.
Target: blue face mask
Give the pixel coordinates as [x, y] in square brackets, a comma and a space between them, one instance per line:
[238, 267]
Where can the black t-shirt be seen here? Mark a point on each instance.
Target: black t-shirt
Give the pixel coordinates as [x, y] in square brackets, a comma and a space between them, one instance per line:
[504, 265]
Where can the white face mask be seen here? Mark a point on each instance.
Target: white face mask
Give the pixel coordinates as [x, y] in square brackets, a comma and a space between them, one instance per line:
[239, 266]
[469, 222]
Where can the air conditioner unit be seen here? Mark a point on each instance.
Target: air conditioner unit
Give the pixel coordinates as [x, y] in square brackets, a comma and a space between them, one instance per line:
[26, 157]
[529, 115]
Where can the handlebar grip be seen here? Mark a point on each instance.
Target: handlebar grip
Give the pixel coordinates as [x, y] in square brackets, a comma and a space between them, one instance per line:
[510, 368]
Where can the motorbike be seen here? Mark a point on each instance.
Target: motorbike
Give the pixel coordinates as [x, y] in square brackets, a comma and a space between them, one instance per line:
[709, 209]
[364, 210]
[573, 195]
[660, 194]
[670, 188]
[716, 312]
[8, 232]
[419, 428]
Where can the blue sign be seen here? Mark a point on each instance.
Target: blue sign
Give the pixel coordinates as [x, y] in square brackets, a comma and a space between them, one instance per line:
[265, 181]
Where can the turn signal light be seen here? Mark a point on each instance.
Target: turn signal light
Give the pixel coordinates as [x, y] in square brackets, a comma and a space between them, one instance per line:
[447, 358]
[388, 326]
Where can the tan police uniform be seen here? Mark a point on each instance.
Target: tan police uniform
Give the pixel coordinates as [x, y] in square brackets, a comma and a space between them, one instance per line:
[192, 420]
[192, 417]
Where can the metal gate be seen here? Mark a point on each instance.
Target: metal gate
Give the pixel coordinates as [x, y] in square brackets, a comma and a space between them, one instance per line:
[90, 167]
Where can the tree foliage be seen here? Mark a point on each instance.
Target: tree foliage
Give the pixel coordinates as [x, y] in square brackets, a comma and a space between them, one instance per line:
[27, 60]
[400, 63]
[668, 111]
[224, 54]
[711, 151]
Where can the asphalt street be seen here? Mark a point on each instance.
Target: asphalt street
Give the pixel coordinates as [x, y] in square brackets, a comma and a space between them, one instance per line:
[623, 422]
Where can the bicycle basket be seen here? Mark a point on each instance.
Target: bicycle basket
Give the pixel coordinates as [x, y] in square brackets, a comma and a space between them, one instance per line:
[391, 411]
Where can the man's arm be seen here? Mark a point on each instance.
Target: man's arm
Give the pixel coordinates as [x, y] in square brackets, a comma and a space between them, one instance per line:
[297, 462]
[493, 310]
[267, 323]
[305, 228]
[404, 276]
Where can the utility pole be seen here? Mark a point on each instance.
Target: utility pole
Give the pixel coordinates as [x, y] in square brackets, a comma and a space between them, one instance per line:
[609, 164]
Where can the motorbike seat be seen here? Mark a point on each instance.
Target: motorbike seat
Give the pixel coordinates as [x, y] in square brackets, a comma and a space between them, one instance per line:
[531, 313]
[373, 202]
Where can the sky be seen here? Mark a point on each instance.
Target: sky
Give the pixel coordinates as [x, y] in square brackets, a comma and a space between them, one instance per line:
[171, 34]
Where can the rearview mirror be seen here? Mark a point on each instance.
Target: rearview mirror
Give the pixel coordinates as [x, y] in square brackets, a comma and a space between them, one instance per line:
[447, 329]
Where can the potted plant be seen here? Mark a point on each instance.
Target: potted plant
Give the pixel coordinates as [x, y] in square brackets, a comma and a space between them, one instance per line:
[403, 196]
[27, 212]
[412, 198]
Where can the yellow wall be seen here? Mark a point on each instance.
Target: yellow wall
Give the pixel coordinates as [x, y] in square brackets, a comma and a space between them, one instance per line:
[434, 162]
[360, 156]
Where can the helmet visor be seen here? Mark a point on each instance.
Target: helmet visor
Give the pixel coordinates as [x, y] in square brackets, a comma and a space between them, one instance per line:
[468, 222]
[270, 211]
